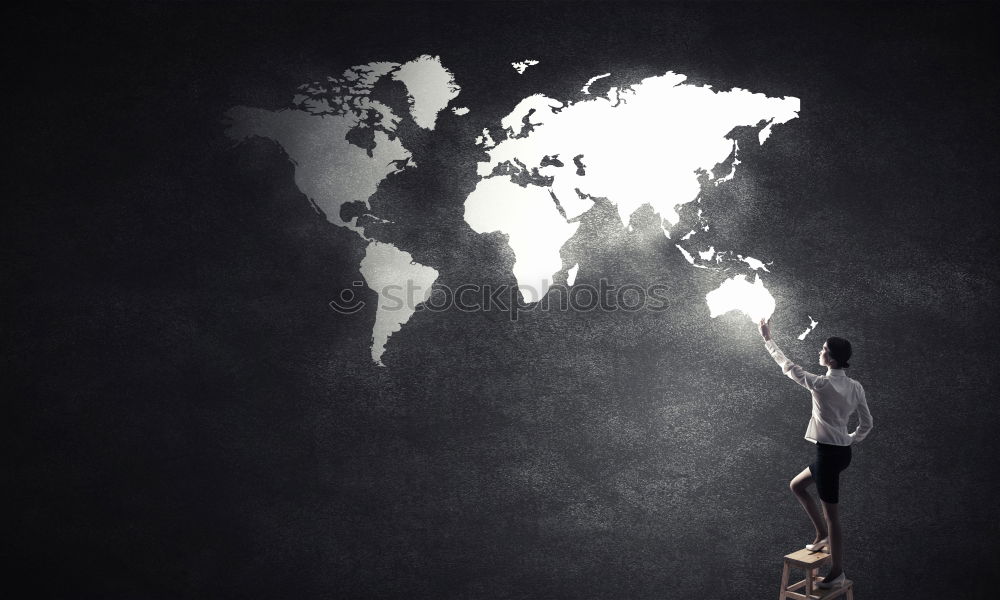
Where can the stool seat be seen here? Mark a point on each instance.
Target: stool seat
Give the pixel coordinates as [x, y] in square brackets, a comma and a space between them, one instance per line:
[807, 559]
[810, 562]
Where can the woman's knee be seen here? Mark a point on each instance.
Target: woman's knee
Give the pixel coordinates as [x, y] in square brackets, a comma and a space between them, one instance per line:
[800, 482]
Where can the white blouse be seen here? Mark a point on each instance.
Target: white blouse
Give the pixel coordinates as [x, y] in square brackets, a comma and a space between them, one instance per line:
[835, 397]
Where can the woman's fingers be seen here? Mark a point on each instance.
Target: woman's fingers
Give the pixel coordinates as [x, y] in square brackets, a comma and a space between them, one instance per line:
[765, 330]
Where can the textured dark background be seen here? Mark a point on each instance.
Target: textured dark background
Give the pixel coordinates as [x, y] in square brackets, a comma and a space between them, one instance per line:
[188, 418]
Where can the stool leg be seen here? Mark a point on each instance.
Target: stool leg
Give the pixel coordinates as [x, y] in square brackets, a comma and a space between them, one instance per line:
[850, 593]
[784, 583]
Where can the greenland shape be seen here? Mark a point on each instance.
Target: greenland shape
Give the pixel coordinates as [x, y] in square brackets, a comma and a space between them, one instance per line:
[430, 86]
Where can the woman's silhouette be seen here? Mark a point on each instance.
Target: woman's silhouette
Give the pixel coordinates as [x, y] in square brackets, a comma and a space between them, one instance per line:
[835, 397]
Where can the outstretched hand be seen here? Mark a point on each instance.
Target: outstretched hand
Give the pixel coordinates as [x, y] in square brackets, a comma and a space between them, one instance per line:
[765, 330]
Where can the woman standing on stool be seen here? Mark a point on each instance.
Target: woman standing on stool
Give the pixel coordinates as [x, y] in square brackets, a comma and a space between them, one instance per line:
[835, 397]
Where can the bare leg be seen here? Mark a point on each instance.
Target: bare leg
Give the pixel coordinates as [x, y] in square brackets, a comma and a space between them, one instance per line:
[799, 486]
[836, 541]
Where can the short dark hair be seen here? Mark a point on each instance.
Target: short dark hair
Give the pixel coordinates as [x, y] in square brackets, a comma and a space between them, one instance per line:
[840, 351]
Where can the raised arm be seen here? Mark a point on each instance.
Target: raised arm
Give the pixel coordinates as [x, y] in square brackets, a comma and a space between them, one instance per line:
[864, 418]
[792, 370]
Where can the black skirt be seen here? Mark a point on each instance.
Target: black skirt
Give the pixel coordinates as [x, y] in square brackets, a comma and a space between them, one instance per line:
[830, 461]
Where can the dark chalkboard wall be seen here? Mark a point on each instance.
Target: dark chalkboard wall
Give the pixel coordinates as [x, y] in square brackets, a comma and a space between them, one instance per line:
[188, 418]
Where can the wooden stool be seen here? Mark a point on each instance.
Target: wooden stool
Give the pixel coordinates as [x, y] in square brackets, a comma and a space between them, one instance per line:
[810, 562]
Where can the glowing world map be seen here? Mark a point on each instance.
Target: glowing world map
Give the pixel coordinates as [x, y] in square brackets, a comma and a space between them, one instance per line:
[647, 143]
